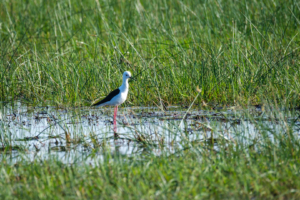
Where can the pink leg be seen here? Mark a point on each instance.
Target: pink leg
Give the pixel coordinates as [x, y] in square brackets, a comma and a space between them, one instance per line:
[115, 117]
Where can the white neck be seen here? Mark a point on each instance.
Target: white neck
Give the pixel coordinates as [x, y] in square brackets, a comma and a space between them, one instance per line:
[124, 86]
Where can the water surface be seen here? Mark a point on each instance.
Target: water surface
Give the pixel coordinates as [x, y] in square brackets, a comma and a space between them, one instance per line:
[86, 134]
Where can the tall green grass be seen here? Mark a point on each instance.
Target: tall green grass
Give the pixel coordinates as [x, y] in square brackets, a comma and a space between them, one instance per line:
[72, 52]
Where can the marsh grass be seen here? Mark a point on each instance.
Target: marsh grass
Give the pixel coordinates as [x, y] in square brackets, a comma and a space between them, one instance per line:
[268, 168]
[69, 53]
[262, 165]
[73, 52]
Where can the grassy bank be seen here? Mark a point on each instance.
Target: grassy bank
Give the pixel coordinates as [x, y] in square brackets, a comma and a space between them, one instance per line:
[200, 174]
[72, 52]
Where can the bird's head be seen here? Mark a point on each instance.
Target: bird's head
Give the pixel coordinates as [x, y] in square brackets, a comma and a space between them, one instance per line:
[126, 75]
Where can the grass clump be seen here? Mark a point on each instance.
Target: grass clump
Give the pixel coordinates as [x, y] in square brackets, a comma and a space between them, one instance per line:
[70, 52]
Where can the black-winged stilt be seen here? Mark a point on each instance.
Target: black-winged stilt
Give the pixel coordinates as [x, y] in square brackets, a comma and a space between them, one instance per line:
[116, 97]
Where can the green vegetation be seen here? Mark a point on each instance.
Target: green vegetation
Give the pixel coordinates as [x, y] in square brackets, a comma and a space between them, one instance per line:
[262, 164]
[234, 172]
[71, 52]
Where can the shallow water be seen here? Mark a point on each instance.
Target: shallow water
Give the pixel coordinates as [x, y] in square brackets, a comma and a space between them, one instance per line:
[86, 134]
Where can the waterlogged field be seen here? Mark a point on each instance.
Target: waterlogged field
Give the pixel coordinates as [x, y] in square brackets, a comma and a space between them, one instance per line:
[217, 152]
[76, 135]
[212, 111]
[66, 133]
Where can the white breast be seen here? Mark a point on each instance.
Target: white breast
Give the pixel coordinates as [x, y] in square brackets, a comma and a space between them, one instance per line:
[117, 100]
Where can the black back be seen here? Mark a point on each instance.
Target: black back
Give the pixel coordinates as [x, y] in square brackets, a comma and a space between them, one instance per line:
[108, 98]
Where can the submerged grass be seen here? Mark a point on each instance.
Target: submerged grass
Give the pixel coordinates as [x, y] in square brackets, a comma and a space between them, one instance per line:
[72, 52]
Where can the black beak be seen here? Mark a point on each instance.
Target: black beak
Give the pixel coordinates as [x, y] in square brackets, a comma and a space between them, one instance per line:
[131, 79]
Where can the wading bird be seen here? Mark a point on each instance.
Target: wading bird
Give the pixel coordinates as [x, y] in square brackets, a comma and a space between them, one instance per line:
[116, 97]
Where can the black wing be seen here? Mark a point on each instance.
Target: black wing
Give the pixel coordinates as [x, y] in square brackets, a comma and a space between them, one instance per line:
[108, 98]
